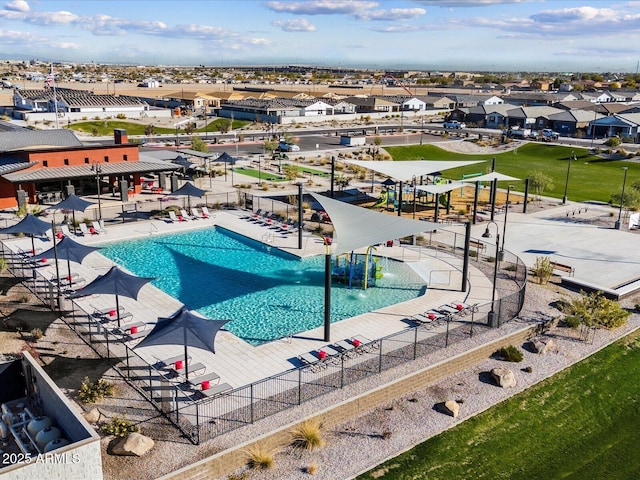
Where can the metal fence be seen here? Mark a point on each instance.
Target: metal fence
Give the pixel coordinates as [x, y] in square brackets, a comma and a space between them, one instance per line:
[205, 418]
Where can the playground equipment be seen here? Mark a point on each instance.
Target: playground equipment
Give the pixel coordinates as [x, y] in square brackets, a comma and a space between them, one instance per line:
[356, 269]
[383, 199]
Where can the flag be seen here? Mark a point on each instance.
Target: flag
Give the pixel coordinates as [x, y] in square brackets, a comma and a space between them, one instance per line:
[50, 78]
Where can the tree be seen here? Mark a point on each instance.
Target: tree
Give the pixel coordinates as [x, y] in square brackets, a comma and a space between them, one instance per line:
[189, 128]
[198, 144]
[269, 146]
[342, 181]
[631, 198]
[542, 270]
[539, 182]
[149, 130]
[290, 172]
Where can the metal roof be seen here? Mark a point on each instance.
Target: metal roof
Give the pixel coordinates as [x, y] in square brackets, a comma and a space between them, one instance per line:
[62, 173]
[195, 153]
[27, 138]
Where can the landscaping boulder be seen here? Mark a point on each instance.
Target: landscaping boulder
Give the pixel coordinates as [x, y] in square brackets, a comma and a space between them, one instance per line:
[503, 377]
[93, 415]
[451, 408]
[542, 345]
[134, 444]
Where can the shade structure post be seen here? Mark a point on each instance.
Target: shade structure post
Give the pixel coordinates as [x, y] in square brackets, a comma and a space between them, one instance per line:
[494, 187]
[55, 254]
[437, 209]
[465, 265]
[186, 356]
[300, 216]
[400, 200]
[526, 195]
[333, 173]
[475, 203]
[327, 295]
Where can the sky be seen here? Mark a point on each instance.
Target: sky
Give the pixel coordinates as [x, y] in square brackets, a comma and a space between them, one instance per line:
[433, 35]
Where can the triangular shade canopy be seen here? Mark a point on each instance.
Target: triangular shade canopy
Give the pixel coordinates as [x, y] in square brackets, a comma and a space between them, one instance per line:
[225, 157]
[115, 282]
[388, 182]
[406, 170]
[185, 327]
[183, 162]
[68, 249]
[357, 227]
[29, 225]
[72, 202]
[189, 189]
[441, 188]
[490, 177]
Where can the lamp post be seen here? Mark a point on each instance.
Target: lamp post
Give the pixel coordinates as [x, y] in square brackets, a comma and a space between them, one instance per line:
[566, 183]
[595, 119]
[624, 182]
[491, 318]
[421, 128]
[97, 169]
[259, 170]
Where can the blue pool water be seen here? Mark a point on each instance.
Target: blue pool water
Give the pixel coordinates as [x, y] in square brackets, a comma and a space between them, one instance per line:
[266, 293]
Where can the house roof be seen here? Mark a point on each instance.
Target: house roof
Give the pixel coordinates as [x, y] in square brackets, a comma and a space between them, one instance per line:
[27, 138]
[147, 165]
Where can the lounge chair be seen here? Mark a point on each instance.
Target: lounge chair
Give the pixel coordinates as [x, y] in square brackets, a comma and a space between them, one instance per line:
[195, 213]
[88, 231]
[98, 227]
[253, 216]
[110, 314]
[195, 370]
[345, 348]
[209, 377]
[65, 231]
[260, 218]
[167, 362]
[216, 390]
[206, 213]
[186, 216]
[172, 217]
[363, 344]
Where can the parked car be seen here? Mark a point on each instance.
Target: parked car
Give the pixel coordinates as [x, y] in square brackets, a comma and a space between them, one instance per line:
[548, 134]
[287, 147]
[454, 124]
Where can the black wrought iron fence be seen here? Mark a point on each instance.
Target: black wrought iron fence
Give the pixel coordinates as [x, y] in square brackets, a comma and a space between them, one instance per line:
[204, 418]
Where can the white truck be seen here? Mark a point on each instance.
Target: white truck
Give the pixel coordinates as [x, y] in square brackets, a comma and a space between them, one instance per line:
[519, 133]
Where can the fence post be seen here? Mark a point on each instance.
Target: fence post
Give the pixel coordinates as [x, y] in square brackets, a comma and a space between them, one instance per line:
[415, 343]
[197, 424]
[299, 386]
[446, 338]
[341, 371]
[380, 356]
[251, 404]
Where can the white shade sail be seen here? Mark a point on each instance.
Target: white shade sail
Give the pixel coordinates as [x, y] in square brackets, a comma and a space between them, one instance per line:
[357, 227]
[441, 188]
[405, 171]
[490, 177]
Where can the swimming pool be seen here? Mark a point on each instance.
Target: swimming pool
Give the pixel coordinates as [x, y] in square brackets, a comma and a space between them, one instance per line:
[268, 294]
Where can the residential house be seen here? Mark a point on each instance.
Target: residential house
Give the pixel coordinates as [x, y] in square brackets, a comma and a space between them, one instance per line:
[535, 118]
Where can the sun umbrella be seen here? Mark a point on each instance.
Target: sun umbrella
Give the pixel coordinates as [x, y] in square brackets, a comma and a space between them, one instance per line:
[115, 282]
[184, 327]
[226, 158]
[189, 190]
[69, 250]
[73, 203]
[29, 225]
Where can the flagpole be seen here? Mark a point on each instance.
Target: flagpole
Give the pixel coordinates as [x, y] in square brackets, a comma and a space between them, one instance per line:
[55, 97]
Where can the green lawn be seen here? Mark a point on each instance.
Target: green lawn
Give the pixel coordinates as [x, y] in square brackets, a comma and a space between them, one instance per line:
[311, 171]
[105, 128]
[583, 423]
[265, 176]
[591, 177]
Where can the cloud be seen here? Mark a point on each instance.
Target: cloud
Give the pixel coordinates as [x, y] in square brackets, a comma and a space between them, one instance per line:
[18, 6]
[578, 22]
[400, 28]
[322, 7]
[467, 3]
[300, 25]
[393, 14]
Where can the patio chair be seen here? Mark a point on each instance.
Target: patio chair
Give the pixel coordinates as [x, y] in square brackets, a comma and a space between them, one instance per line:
[85, 230]
[195, 213]
[206, 213]
[65, 231]
[363, 344]
[98, 227]
[253, 216]
[172, 217]
[209, 377]
[345, 348]
[216, 390]
[195, 369]
[185, 215]
[167, 362]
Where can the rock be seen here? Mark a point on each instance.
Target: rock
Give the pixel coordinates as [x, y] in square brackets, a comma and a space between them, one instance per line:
[134, 444]
[503, 377]
[542, 346]
[451, 408]
[93, 415]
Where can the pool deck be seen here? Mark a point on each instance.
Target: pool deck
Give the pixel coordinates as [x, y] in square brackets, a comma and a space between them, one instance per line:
[237, 362]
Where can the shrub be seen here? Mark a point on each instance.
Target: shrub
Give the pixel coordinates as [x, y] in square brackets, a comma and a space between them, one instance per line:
[308, 435]
[595, 310]
[36, 334]
[119, 427]
[92, 392]
[542, 270]
[312, 469]
[510, 354]
[260, 457]
[572, 322]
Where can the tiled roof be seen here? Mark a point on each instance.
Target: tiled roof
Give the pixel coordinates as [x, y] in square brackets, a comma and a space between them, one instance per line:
[27, 138]
[81, 98]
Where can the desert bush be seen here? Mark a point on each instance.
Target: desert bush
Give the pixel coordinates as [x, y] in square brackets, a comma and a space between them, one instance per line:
[595, 310]
[92, 392]
[260, 457]
[36, 334]
[542, 270]
[119, 427]
[307, 435]
[510, 354]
